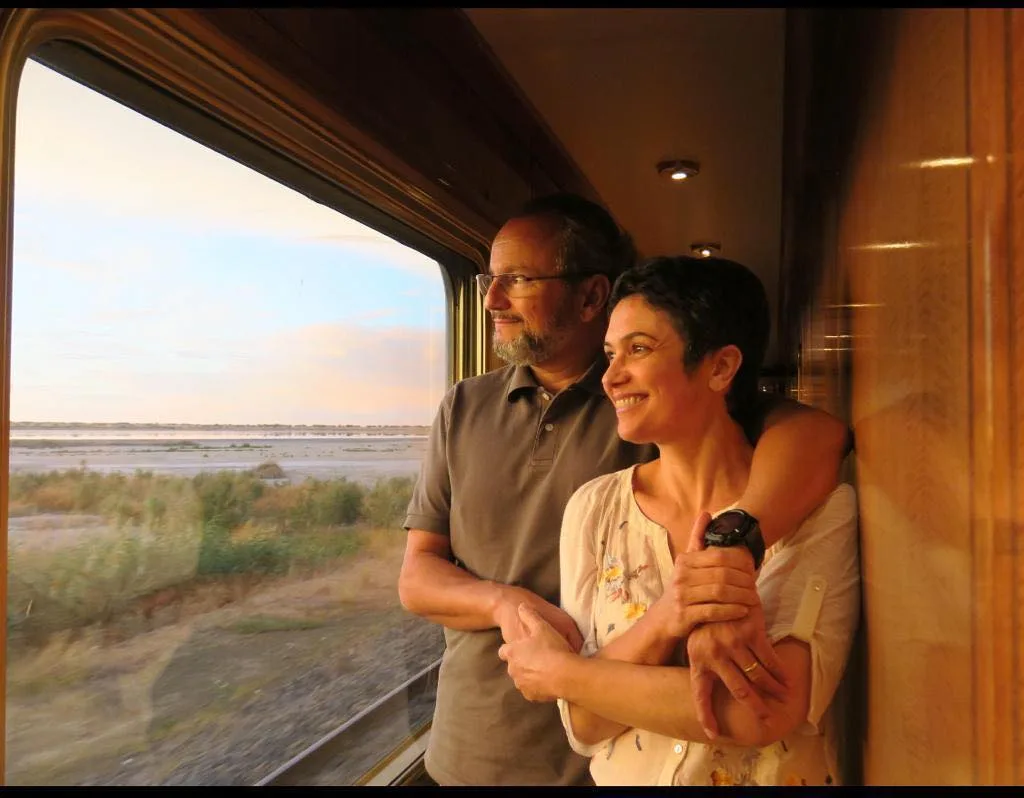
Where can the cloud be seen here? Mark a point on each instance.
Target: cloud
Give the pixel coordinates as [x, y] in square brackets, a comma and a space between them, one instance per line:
[319, 374]
[131, 166]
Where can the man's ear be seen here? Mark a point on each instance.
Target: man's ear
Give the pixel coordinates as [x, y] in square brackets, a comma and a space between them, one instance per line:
[595, 290]
[724, 365]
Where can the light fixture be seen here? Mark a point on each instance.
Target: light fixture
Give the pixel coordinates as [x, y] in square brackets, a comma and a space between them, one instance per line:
[678, 170]
[706, 249]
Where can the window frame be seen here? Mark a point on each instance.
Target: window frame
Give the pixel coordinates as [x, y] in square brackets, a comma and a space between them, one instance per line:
[231, 103]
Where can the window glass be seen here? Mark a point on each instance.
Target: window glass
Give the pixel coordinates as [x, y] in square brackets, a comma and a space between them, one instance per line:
[221, 392]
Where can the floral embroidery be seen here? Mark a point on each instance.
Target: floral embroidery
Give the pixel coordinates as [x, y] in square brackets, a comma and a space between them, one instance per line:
[721, 778]
[741, 776]
[616, 580]
[635, 609]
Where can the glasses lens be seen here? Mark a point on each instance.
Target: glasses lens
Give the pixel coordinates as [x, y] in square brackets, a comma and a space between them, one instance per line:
[483, 282]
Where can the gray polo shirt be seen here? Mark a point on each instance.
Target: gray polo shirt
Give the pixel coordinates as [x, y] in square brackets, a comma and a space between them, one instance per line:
[504, 457]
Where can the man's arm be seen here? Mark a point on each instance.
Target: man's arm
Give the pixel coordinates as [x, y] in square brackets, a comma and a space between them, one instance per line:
[795, 467]
[434, 587]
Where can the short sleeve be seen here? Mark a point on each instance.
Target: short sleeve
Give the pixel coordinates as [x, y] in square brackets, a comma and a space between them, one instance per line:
[810, 590]
[579, 571]
[431, 503]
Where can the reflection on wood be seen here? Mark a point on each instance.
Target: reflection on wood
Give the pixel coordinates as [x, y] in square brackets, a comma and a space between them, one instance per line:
[911, 324]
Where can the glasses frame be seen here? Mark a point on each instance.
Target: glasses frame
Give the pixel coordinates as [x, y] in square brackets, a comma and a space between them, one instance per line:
[485, 279]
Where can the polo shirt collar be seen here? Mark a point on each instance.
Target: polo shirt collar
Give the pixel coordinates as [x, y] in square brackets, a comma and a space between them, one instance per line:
[522, 379]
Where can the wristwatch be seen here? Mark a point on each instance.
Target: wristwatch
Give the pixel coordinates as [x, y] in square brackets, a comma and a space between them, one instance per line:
[736, 528]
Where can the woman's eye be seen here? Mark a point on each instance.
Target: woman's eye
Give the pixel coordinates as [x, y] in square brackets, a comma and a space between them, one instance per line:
[609, 354]
[638, 348]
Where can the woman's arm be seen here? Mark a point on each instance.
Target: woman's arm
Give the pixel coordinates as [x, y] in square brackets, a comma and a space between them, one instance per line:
[652, 697]
[706, 586]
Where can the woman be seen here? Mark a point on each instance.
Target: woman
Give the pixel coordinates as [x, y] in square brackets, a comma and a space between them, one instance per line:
[685, 343]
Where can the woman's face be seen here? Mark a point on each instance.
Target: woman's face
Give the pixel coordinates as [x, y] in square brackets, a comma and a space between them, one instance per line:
[655, 399]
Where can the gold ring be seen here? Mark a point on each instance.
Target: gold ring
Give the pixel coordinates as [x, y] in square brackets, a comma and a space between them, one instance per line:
[751, 666]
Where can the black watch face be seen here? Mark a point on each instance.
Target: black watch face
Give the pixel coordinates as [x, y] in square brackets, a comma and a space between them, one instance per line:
[729, 521]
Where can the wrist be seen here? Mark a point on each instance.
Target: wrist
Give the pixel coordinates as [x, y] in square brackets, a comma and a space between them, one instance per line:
[561, 674]
[501, 597]
[737, 528]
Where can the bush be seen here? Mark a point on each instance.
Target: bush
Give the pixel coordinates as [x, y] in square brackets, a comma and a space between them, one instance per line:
[268, 470]
[386, 503]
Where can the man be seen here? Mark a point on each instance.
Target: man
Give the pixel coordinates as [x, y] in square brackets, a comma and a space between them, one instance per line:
[506, 451]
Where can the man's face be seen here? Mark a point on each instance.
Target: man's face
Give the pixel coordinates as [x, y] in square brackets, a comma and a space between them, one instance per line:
[533, 325]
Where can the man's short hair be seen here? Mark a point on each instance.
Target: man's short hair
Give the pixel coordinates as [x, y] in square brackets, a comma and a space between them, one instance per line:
[712, 302]
[591, 241]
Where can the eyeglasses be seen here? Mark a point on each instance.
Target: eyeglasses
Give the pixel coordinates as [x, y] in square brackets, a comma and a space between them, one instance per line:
[517, 285]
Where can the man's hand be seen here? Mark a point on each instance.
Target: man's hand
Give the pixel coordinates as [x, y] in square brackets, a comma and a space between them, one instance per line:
[707, 586]
[507, 616]
[533, 658]
[738, 652]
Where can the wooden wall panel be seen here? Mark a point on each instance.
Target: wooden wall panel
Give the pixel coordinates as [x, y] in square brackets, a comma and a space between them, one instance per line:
[903, 251]
[423, 85]
[912, 190]
[1015, 372]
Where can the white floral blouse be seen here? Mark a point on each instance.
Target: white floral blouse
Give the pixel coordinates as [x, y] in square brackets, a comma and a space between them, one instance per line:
[614, 563]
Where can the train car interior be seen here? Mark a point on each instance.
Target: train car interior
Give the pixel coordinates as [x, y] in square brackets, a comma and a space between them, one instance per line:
[238, 258]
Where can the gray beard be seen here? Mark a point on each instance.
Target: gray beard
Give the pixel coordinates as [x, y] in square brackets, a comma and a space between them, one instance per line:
[524, 350]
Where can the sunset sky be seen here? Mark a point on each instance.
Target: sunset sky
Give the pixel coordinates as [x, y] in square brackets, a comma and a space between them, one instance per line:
[156, 280]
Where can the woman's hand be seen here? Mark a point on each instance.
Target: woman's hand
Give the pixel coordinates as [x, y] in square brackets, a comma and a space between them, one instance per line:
[507, 616]
[534, 658]
[738, 652]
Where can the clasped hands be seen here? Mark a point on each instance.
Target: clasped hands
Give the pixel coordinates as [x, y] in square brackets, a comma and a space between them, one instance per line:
[711, 603]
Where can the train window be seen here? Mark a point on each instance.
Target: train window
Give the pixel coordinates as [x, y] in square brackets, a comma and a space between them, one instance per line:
[220, 396]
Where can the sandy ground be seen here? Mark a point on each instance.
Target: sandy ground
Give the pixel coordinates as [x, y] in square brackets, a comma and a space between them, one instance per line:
[220, 685]
[360, 459]
[222, 696]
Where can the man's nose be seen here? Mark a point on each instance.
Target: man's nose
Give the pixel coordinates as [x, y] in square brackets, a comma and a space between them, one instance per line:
[495, 298]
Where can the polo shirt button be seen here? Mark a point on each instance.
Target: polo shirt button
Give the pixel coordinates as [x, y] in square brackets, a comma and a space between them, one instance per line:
[549, 427]
[678, 748]
[544, 395]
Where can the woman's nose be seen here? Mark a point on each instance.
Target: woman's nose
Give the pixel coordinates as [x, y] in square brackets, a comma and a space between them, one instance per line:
[613, 375]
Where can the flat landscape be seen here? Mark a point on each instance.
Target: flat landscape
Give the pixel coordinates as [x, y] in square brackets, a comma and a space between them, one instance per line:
[358, 453]
[196, 605]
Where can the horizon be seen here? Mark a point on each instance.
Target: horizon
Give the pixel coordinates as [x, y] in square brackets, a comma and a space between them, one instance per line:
[178, 425]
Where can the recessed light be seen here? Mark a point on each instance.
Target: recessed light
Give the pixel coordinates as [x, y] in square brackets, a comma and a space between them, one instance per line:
[706, 249]
[678, 170]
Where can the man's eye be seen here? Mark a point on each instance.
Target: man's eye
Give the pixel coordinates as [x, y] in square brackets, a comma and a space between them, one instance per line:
[516, 279]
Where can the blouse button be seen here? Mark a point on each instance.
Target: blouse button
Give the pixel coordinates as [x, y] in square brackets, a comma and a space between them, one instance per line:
[549, 427]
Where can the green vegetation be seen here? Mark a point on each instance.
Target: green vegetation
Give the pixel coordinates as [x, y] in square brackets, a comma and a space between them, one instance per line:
[131, 538]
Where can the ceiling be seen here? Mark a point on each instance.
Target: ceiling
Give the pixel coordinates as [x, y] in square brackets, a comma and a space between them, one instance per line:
[624, 89]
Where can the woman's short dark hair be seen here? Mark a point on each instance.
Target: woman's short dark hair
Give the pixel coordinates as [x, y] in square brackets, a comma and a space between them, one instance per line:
[591, 240]
[712, 302]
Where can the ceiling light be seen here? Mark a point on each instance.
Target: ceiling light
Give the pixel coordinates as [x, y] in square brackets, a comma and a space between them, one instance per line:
[705, 250]
[678, 170]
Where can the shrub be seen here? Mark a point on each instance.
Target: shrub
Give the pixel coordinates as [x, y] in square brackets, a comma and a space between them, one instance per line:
[268, 470]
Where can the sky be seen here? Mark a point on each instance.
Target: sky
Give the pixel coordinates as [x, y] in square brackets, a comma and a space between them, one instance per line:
[158, 281]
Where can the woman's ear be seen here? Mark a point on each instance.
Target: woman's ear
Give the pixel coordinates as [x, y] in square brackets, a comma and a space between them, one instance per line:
[724, 365]
[594, 290]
